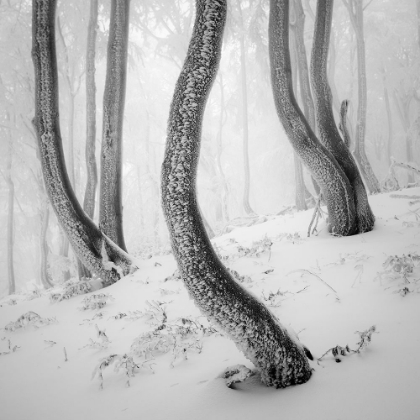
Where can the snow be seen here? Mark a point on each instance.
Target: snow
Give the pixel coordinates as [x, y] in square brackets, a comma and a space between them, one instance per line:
[382, 382]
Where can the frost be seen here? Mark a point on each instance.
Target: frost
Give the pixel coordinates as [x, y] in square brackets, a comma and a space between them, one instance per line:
[235, 374]
[29, 319]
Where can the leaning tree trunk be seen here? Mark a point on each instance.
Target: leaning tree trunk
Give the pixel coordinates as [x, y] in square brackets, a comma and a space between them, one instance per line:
[111, 211]
[99, 254]
[244, 319]
[328, 132]
[355, 10]
[334, 184]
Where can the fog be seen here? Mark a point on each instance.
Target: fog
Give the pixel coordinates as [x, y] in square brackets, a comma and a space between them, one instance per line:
[159, 35]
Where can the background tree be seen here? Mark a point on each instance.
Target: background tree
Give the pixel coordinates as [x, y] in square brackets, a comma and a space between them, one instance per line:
[95, 250]
[110, 212]
[355, 9]
[328, 132]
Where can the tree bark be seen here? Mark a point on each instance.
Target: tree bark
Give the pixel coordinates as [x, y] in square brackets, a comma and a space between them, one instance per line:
[247, 321]
[355, 10]
[328, 132]
[334, 184]
[98, 253]
[90, 148]
[111, 209]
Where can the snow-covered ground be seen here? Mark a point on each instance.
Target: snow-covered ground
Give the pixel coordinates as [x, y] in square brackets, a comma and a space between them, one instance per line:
[323, 287]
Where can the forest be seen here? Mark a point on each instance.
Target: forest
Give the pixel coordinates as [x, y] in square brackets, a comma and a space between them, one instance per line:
[215, 176]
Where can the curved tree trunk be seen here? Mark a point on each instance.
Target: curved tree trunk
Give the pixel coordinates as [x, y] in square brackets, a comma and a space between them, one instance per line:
[88, 243]
[328, 132]
[355, 10]
[247, 321]
[334, 184]
[110, 210]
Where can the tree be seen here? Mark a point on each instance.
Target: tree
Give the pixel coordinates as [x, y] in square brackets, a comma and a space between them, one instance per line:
[97, 252]
[328, 132]
[355, 9]
[334, 184]
[254, 329]
[110, 210]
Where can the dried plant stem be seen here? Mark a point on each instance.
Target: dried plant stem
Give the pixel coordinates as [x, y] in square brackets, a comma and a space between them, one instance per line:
[303, 271]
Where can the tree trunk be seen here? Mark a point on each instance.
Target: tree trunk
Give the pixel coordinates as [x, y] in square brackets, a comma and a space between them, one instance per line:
[225, 193]
[389, 118]
[355, 9]
[10, 216]
[225, 302]
[334, 184]
[300, 188]
[328, 132]
[245, 129]
[97, 252]
[111, 210]
[43, 269]
[92, 172]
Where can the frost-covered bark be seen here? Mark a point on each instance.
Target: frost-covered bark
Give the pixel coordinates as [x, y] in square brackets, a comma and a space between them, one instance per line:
[110, 209]
[88, 243]
[355, 9]
[328, 132]
[247, 321]
[90, 147]
[302, 63]
[343, 123]
[321, 163]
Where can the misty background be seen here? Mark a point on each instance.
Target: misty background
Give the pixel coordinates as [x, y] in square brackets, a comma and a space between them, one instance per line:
[159, 35]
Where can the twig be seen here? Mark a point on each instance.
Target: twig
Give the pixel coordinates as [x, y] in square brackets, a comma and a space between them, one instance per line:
[65, 354]
[319, 278]
[315, 216]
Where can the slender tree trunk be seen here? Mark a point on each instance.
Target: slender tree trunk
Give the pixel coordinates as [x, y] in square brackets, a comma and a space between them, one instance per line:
[389, 118]
[225, 193]
[343, 123]
[300, 189]
[245, 129]
[92, 172]
[97, 252]
[246, 320]
[10, 215]
[355, 9]
[328, 132]
[90, 148]
[331, 74]
[43, 269]
[111, 209]
[334, 184]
